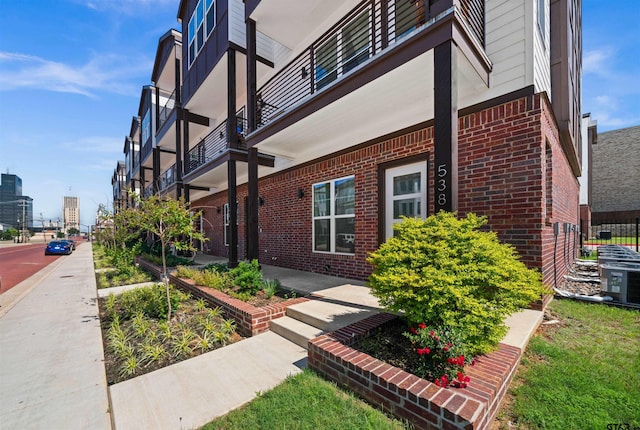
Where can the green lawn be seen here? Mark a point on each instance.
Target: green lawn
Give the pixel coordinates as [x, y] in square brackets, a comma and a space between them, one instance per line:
[583, 374]
[305, 401]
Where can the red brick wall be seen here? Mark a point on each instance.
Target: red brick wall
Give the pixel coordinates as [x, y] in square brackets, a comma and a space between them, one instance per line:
[408, 397]
[502, 174]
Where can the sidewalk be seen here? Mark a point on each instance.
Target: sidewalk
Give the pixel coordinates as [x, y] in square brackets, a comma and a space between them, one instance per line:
[51, 359]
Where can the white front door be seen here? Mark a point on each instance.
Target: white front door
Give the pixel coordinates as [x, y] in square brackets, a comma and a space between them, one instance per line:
[405, 194]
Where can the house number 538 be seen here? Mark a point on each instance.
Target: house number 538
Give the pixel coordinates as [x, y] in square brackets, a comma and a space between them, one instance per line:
[442, 184]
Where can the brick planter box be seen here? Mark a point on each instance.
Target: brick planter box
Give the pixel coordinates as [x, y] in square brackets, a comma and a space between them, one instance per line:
[407, 396]
[250, 320]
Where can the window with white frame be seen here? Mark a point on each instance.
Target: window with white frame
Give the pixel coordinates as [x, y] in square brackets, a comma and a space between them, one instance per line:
[201, 24]
[334, 216]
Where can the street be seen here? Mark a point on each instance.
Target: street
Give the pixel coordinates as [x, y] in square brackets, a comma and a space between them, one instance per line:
[18, 262]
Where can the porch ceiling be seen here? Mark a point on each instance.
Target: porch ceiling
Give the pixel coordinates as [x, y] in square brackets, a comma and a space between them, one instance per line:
[215, 179]
[290, 22]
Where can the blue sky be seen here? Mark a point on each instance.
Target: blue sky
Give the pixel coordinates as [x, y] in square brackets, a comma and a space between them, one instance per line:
[71, 72]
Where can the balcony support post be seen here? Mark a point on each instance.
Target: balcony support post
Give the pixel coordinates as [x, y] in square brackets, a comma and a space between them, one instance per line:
[232, 119]
[178, 108]
[185, 139]
[252, 206]
[445, 130]
[233, 214]
[251, 75]
[186, 193]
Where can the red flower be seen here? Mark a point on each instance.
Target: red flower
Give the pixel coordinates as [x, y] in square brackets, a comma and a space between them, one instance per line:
[431, 333]
[422, 326]
[446, 348]
[473, 362]
[422, 351]
[413, 330]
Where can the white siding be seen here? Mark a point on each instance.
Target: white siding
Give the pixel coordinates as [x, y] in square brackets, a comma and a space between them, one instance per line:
[237, 28]
[506, 44]
[541, 51]
[516, 51]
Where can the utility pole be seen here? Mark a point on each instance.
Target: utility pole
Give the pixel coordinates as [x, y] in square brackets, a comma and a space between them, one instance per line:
[24, 208]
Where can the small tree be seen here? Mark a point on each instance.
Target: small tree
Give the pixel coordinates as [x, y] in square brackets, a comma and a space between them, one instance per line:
[73, 231]
[171, 222]
[444, 272]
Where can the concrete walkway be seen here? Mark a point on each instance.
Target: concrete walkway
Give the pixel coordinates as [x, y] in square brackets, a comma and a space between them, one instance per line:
[51, 361]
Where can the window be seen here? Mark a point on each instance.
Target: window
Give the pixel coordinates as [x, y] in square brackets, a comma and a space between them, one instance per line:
[541, 18]
[343, 51]
[201, 25]
[334, 216]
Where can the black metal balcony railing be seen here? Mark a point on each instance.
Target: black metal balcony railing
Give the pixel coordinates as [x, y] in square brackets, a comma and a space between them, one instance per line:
[362, 33]
[167, 178]
[166, 109]
[214, 144]
[146, 150]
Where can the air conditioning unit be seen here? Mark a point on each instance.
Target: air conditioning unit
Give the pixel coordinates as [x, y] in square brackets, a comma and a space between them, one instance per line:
[622, 281]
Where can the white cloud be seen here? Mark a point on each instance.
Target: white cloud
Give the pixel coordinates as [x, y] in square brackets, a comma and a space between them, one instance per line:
[128, 7]
[95, 144]
[597, 61]
[103, 73]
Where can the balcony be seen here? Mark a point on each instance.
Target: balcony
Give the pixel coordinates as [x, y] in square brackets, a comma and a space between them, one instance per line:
[365, 33]
[214, 145]
[167, 178]
[166, 108]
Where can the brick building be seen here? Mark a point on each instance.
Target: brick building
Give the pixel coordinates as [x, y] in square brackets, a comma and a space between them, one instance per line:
[616, 175]
[304, 130]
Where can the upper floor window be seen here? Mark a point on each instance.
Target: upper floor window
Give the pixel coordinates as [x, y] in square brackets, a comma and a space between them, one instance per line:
[542, 23]
[201, 24]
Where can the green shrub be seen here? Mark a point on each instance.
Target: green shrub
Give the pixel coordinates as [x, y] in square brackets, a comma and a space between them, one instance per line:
[217, 267]
[149, 301]
[211, 278]
[444, 272]
[172, 260]
[247, 277]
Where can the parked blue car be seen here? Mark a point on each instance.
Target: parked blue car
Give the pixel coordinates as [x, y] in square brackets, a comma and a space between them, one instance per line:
[71, 243]
[57, 247]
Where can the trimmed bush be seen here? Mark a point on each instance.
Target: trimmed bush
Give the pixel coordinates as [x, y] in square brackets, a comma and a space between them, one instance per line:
[444, 272]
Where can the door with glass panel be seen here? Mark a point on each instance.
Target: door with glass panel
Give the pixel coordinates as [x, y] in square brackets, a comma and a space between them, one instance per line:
[405, 194]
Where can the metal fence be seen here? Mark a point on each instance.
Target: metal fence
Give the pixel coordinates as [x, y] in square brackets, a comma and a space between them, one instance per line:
[612, 233]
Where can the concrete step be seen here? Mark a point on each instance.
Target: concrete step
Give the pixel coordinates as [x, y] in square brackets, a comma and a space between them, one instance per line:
[326, 315]
[294, 330]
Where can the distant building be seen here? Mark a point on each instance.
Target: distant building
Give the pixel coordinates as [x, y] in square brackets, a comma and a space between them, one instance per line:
[589, 131]
[70, 213]
[616, 176]
[16, 210]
